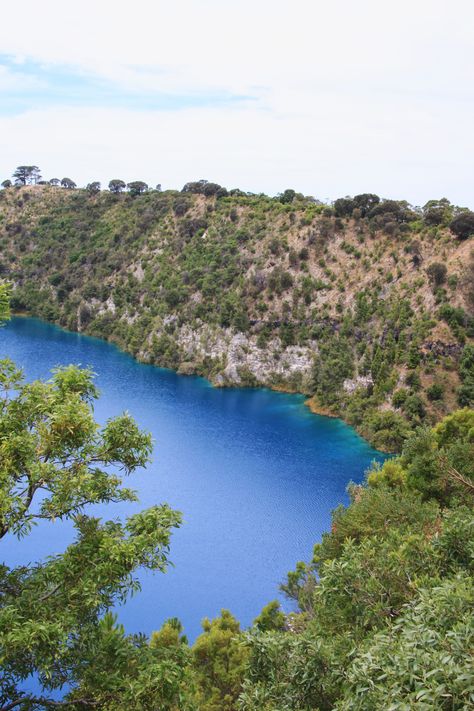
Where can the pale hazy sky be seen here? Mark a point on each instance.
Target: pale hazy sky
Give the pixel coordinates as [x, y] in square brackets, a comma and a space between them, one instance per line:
[330, 98]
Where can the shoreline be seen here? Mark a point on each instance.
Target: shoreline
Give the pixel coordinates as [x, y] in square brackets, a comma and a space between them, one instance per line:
[310, 402]
[317, 409]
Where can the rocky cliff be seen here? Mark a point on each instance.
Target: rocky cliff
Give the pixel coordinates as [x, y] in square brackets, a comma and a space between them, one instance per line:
[366, 305]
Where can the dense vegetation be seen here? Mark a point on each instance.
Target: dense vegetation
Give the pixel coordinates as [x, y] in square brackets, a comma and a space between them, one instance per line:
[366, 305]
[384, 616]
[385, 608]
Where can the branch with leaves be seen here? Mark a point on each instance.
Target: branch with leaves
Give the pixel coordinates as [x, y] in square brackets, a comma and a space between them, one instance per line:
[55, 461]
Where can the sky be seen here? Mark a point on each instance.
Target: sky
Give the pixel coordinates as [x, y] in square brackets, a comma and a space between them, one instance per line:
[329, 98]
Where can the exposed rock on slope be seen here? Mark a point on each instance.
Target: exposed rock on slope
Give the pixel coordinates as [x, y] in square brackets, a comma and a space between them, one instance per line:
[370, 312]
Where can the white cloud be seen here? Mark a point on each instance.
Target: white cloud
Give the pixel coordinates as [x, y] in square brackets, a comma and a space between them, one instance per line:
[347, 96]
[16, 82]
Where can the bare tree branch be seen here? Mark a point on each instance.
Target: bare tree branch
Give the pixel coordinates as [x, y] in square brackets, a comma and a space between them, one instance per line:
[455, 475]
[48, 703]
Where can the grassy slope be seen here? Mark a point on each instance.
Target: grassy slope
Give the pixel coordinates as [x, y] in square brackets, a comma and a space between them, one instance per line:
[171, 277]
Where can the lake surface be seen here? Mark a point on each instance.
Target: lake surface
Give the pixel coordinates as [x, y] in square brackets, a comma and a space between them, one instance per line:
[255, 474]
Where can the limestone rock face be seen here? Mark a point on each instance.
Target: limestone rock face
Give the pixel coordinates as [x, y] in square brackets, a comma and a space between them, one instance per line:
[238, 359]
[362, 381]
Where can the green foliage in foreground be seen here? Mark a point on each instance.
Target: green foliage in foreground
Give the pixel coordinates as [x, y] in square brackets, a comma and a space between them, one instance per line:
[385, 608]
[54, 461]
[386, 605]
[424, 660]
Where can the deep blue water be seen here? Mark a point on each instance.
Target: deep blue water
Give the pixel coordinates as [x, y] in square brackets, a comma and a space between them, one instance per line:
[255, 474]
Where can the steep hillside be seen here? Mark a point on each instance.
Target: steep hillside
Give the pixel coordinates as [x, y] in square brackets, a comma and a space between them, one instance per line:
[366, 306]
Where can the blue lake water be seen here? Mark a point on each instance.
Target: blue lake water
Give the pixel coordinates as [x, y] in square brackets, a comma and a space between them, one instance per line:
[255, 474]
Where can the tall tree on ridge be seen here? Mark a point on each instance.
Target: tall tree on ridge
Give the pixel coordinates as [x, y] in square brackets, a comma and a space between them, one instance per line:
[27, 175]
[116, 186]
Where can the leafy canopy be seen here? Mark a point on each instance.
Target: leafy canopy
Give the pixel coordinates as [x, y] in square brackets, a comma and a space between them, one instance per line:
[55, 460]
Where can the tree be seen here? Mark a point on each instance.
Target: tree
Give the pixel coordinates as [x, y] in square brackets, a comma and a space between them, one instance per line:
[437, 273]
[116, 186]
[4, 302]
[68, 184]
[388, 430]
[422, 661]
[219, 661]
[438, 463]
[366, 202]
[27, 175]
[333, 364]
[54, 181]
[343, 207]
[137, 187]
[195, 186]
[466, 372]
[129, 672]
[435, 392]
[204, 187]
[463, 224]
[437, 212]
[93, 188]
[7, 184]
[414, 248]
[287, 196]
[289, 672]
[271, 618]
[54, 461]
[396, 210]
